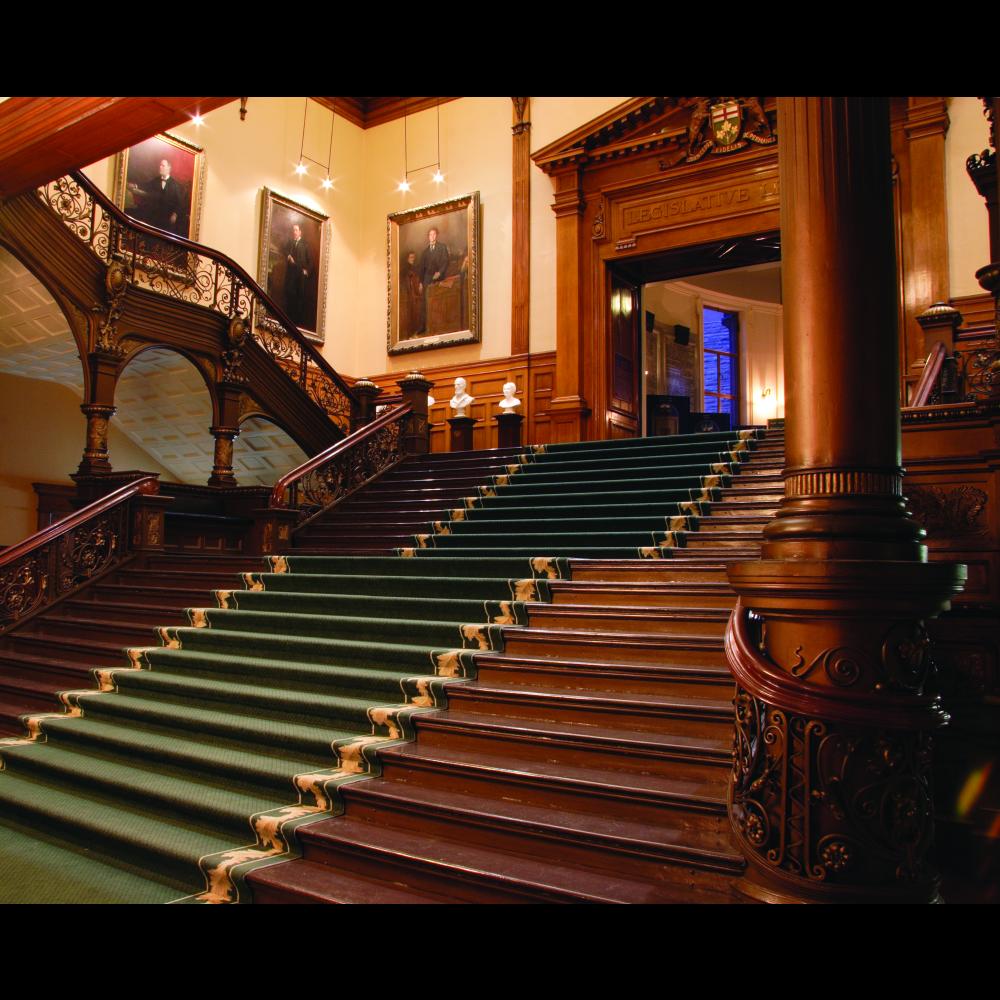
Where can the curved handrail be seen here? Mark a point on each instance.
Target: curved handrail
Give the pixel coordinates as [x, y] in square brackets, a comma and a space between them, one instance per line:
[225, 287]
[60, 558]
[84, 514]
[333, 474]
[757, 674]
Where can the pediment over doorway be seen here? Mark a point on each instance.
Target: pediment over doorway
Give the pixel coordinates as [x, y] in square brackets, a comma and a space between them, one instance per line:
[683, 129]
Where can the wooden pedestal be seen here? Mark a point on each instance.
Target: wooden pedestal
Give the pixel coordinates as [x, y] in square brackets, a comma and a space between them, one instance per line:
[509, 429]
[461, 433]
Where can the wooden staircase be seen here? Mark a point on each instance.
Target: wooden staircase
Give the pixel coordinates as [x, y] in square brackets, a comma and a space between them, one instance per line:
[58, 649]
[588, 761]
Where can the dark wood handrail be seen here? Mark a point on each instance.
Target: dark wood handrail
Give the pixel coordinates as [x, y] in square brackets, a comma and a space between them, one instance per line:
[71, 521]
[277, 494]
[181, 242]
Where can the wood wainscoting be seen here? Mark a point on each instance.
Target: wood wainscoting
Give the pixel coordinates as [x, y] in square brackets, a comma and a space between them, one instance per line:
[533, 374]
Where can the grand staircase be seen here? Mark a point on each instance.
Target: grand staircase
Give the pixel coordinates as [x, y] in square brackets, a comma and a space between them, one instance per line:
[567, 605]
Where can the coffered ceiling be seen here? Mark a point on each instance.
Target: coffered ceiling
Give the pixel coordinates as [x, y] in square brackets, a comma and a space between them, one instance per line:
[163, 404]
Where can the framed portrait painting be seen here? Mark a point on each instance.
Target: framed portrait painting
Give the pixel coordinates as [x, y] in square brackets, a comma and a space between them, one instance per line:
[294, 244]
[161, 182]
[434, 276]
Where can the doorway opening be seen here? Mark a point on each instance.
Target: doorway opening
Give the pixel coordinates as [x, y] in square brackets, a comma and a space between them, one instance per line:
[706, 337]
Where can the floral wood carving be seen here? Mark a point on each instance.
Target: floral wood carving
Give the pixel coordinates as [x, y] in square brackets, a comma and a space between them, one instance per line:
[945, 512]
[831, 804]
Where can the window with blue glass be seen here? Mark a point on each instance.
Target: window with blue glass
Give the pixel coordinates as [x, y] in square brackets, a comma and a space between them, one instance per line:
[721, 330]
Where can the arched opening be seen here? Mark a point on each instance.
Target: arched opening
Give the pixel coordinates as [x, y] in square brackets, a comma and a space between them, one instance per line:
[42, 384]
[164, 407]
[264, 452]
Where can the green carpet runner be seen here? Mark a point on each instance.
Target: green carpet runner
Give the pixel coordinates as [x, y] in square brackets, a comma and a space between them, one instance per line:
[197, 759]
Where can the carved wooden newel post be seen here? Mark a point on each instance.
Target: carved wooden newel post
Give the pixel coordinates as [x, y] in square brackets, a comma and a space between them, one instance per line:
[414, 387]
[831, 796]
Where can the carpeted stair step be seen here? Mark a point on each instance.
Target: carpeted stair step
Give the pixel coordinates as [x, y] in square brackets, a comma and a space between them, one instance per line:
[376, 606]
[41, 869]
[666, 621]
[272, 730]
[626, 594]
[116, 828]
[313, 633]
[386, 587]
[233, 761]
[147, 787]
[472, 873]
[568, 470]
[638, 482]
[486, 522]
[458, 564]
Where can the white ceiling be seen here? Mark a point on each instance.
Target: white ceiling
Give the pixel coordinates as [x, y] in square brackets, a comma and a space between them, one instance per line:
[163, 402]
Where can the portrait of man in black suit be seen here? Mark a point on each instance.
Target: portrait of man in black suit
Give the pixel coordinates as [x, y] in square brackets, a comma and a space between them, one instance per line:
[162, 200]
[433, 267]
[298, 267]
[159, 183]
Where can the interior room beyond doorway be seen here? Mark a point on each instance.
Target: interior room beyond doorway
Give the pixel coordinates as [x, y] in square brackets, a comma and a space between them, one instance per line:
[712, 350]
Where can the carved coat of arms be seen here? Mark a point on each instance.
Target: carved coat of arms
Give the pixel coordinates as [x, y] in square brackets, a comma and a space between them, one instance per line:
[725, 124]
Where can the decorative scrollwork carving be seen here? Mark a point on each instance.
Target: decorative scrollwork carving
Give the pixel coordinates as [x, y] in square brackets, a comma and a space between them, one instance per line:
[946, 512]
[175, 270]
[843, 665]
[55, 568]
[349, 470]
[831, 804]
[23, 587]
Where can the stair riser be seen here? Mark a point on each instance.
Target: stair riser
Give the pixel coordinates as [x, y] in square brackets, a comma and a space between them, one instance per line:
[79, 652]
[624, 680]
[651, 654]
[711, 540]
[659, 572]
[422, 876]
[649, 721]
[656, 864]
[648, 599]
[147, 618]
[553, 619]
[122, 631]
[439, 735]
[708, 525]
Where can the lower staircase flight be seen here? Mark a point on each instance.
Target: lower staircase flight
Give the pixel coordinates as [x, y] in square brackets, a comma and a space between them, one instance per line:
[488, 676]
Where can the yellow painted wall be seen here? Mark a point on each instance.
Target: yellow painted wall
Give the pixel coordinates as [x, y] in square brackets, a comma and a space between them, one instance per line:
[46, 451]
[243, 157]
[475, 156]
[968, 222]
[551, 118]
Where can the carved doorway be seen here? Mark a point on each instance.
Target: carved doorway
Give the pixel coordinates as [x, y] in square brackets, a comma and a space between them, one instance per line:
[648, 178]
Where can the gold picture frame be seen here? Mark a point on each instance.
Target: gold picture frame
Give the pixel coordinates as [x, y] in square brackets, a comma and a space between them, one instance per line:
[172, 202]
[295, 279]
[434, 281]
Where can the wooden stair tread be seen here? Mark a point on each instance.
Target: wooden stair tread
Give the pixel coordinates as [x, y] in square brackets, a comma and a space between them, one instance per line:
[599, 782]
[565, 732]
[477, 865]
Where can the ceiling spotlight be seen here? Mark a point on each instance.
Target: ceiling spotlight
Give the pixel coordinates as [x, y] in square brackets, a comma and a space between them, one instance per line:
[300, 168]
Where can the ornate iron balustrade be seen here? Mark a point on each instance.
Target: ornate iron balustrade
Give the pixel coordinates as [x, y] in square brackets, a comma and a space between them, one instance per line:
[336, 473]
[189, 272]
[60, 559]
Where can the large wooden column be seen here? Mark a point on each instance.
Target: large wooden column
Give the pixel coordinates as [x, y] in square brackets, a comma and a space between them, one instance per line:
[831, 794]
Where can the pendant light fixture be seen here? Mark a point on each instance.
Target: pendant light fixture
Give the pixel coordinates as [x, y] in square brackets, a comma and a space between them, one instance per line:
[437, 177]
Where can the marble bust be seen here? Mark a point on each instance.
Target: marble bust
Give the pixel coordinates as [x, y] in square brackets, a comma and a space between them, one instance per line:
[461, 399]
[509, 401]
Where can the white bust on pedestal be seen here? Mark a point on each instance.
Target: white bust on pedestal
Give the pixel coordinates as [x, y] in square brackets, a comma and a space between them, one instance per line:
[461, 399]
[509, 401]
